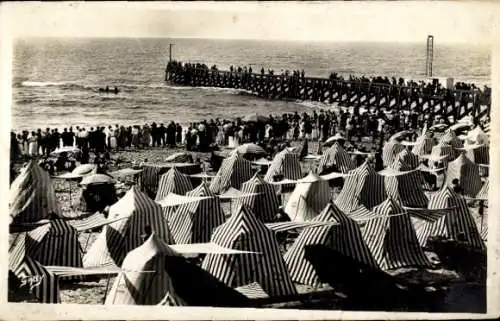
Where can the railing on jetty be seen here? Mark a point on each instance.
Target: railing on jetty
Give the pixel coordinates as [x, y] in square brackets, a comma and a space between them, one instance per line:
[355, 93]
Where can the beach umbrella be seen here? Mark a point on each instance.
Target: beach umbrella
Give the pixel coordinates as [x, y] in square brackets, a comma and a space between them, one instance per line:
[438, 127]
[250, 148]
[400, 135]
[333, 139]
[125, 172]
[180, 158]
[97, 179]
[66, 149]
[254, 117]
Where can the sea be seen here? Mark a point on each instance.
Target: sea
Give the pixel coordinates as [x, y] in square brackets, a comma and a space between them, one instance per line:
[56, 80]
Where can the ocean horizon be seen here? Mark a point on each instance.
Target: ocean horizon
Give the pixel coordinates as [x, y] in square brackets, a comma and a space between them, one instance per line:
[56, 80]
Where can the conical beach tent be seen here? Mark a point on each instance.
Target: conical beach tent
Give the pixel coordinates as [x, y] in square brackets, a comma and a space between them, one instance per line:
[52, 244]
[233, 172]
[455, 224]
[423, 145]
[337, 158]
[243, 231]
[264, 203]
[479, 154]
[310, 196]
[32, 195]
[154, 271]
[392, 240]
[173, 181]
[390, 150]
[364, 187]
[406, 186]
[194, 222]
[407, 158]
[286, 164]
[467, 174]
[344, 237]
[139, 213]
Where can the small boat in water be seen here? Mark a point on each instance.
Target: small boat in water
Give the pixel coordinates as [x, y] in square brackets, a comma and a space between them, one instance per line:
[107, 90]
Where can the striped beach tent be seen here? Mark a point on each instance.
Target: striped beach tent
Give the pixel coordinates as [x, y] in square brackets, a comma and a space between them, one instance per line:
[344, 237]
[467, 174]
[194, 222]
[408, 158]
[264, 203]
[444, 151]
[32, 195]
[285, 163]
[233, 171]
[364, 187]
[52, 244]
[243, 231]
[336, 157]
[310, 196]
[173, 181]
[391, 238]
[390, 150]
[406, 185]
[423, 145]
[484, 191]
[44, 285]
[451, 138]
[456, 222]
[120, 237]
[155, 274]
[479, 154]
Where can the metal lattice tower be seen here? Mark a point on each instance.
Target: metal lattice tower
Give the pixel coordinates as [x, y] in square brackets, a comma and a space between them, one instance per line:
[430, 56]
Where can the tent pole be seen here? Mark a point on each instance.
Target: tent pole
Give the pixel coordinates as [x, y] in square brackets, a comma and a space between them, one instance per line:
[86, 243]
[106, 292]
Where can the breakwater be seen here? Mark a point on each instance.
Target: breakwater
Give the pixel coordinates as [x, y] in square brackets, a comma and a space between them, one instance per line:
[349, 93]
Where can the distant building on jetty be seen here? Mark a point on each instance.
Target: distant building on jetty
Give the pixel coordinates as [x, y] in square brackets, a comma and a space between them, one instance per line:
[433, 99]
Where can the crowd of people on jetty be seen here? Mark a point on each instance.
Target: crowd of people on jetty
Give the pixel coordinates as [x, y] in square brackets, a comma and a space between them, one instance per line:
[432, 88]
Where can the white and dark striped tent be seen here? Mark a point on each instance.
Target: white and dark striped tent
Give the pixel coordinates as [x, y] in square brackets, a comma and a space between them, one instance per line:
[118, 238]
[243, 231]
[336, 157]
[484, 191]
[406, 157]
[145, 280]
[45, 285]
[310, 196]
[52, 244]
[423, 145]
[285, 163]
[467, 174]
[406, 185]
[194, 222]
[233, 171]
[345, 237]
[364, 187]
[479, 154]
[173, 181]
[391, 238]
[451, 138]
[264, 202]
[390, 150]
[454, 222]
[32, 195]
[443, 150]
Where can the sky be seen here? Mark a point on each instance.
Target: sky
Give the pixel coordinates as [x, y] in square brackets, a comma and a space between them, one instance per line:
[405, 21]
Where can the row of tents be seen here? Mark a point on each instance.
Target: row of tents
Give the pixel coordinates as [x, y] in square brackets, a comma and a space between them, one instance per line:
[381, 219]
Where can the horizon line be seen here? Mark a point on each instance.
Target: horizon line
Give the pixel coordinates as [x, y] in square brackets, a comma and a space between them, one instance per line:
[20, 37]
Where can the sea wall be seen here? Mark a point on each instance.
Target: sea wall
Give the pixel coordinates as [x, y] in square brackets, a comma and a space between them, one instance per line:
[355, 93]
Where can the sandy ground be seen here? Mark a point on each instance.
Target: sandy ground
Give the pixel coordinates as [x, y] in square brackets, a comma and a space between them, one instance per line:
[94, 292]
